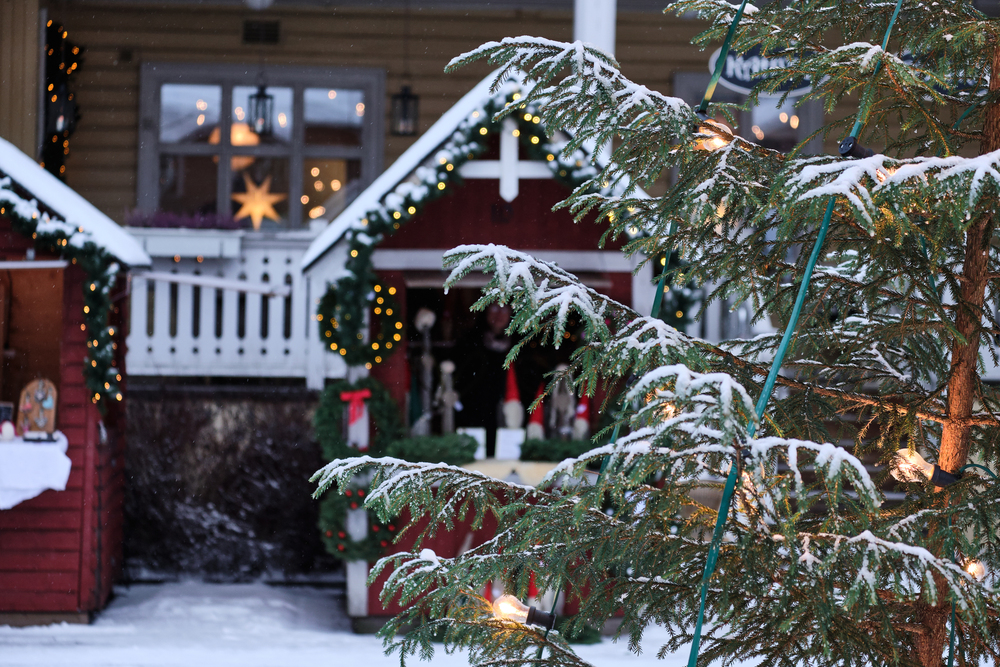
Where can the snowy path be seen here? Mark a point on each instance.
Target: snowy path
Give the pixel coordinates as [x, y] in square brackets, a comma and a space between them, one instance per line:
[249, 625]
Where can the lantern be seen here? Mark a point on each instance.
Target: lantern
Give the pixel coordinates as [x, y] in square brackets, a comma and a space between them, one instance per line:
[405, 112]
[261, 112]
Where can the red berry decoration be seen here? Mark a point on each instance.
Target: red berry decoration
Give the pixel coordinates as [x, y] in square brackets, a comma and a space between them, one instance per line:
[375, 529]
[361, 493]
[341, 534]
[384, 543]
[391, 528]
[340, 547]
[354, 506]
[329, 533]
[348, 493]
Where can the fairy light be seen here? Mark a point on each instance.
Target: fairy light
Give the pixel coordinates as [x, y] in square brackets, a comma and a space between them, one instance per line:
[718, 135]
[508, 608]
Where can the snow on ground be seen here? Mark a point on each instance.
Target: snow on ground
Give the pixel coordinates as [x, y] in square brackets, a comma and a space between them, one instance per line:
[240, 625]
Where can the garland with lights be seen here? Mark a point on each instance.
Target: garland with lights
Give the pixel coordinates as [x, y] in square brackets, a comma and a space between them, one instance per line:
[53, 235]
[62, 58]
[343, 308]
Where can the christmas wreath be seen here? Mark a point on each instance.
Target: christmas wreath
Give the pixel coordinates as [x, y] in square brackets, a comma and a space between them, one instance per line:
[332, 516]
[341, 316]
[330, 432]
[328, 423]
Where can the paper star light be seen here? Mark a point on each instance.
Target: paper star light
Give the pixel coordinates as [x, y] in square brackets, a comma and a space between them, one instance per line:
[257, 202]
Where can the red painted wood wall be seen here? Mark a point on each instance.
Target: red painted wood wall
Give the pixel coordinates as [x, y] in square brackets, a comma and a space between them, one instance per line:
[468, 215]
[60, 552]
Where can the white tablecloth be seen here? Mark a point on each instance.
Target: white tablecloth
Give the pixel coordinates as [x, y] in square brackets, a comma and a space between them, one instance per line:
[29, 468]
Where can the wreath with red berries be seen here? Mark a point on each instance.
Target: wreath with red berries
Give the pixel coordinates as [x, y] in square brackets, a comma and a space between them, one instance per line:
[332, 516]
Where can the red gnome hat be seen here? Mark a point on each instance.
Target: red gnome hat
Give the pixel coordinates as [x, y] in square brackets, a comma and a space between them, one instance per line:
[513, 411]
[536, 423]
[512, 393]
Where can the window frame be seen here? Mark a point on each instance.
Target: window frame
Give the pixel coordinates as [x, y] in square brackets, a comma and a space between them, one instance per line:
[154, 75]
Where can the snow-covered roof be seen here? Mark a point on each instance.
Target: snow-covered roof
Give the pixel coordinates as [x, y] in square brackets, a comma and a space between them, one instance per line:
[423, 148]
[75, 211]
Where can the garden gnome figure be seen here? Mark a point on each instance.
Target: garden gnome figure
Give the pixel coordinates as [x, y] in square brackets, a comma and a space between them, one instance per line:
[581, 423]
[536, 423]
[563, 406]
[425, 321]
[448, 397]
[513, 409]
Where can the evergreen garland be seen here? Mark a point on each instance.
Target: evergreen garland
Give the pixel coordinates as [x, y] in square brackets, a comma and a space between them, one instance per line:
[386, 440]
[56, 236]
[62, 58]
[329, 426]
[343, 308]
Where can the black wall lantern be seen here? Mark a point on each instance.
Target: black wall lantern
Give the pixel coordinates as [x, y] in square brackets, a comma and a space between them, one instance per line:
[405, 113]
[261, 112]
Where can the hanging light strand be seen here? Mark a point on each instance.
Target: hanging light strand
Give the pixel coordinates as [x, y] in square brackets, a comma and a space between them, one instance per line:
[786, 339]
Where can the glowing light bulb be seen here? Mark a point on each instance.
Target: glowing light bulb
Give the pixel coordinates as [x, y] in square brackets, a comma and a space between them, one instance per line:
[714, 136]
[975, 569]
[509, 608]
[909, 466]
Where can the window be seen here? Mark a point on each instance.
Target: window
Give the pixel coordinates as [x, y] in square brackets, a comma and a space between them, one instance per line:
[204, 162]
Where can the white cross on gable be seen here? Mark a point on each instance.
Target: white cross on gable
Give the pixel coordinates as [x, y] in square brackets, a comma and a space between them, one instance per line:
[509, 169]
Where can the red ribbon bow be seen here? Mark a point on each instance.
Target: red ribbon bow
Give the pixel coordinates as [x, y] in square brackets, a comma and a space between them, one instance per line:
[355, 403]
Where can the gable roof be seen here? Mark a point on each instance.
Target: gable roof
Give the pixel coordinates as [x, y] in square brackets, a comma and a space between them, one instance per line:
[393, 183]
[82, 221]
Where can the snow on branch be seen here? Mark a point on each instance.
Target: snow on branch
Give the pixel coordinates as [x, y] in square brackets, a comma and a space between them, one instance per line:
[437, 489]
[834, 459]
[945, 186]
[918, 560]
[544, 294]
[594, 100]
[709, 407]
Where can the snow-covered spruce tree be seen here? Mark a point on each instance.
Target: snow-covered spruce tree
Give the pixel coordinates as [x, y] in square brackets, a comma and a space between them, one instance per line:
[816, 568]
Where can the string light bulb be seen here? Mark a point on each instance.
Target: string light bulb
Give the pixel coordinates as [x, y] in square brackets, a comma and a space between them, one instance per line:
[713, 135]
[975, 569]
[909, 466]
[509, 608]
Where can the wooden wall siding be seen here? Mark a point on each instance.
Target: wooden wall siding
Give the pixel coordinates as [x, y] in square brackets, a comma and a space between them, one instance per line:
[20, 58]
[119, 37]
[60, 551]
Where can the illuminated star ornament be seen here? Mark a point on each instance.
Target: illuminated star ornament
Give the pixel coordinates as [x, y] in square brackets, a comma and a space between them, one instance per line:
[257, 202]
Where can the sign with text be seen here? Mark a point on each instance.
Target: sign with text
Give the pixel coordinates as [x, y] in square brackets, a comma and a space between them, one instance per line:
[741, 72]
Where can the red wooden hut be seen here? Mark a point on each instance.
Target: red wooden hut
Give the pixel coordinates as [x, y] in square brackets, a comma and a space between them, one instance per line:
[510, 175]
[62, 289]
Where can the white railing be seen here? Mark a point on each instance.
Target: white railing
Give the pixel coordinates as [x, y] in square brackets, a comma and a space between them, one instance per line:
[227, 304]
[235, 304]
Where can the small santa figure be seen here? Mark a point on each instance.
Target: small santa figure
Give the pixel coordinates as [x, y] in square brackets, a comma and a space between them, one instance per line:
[536, 423]
[581, 422]
[513, 409]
